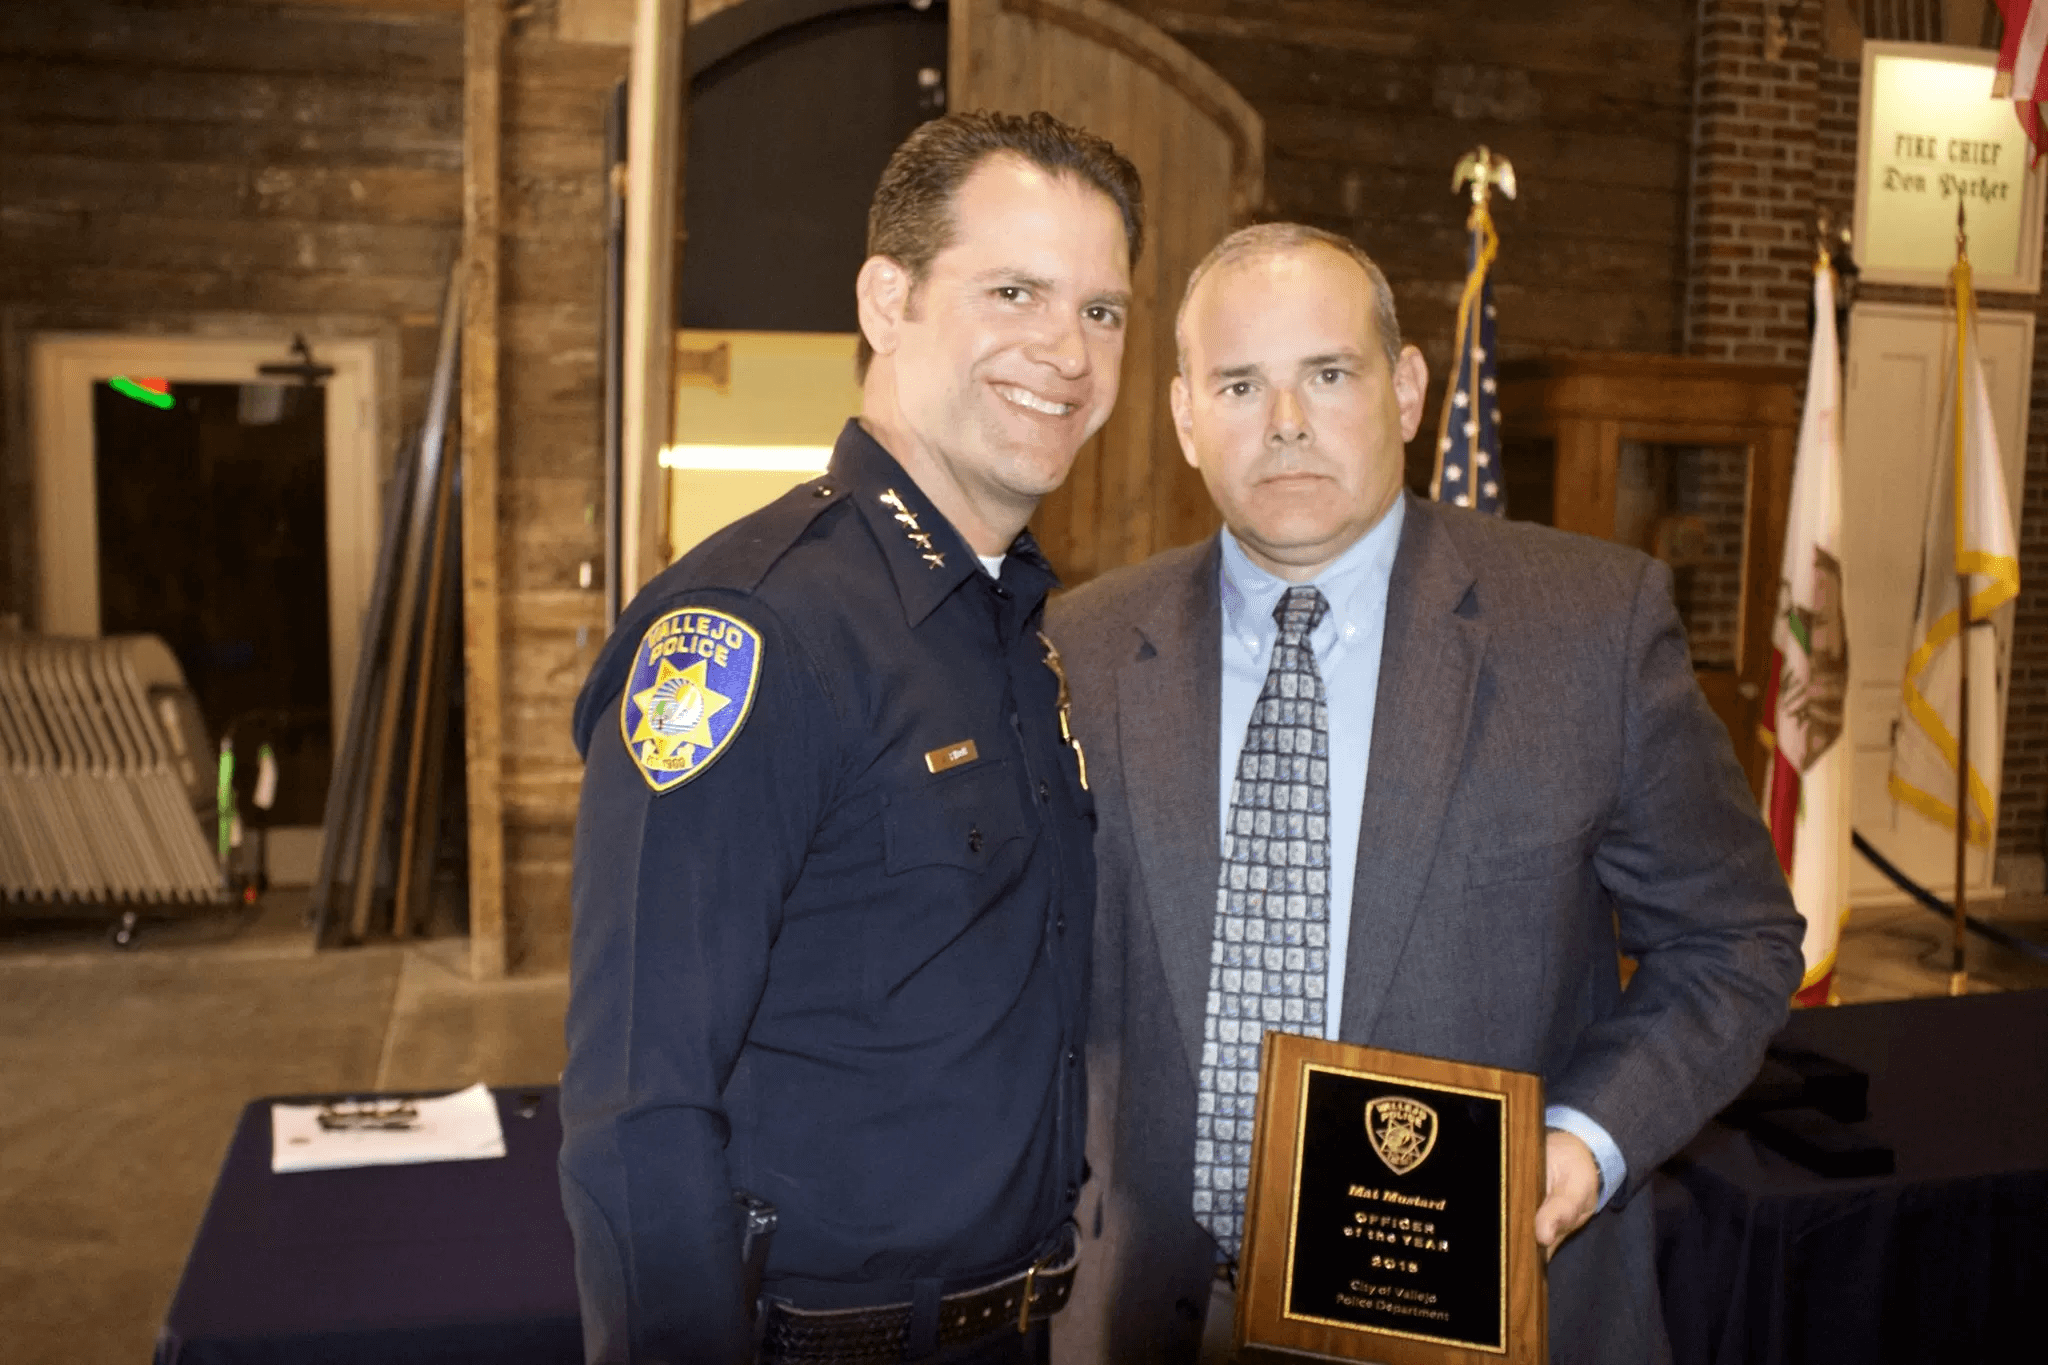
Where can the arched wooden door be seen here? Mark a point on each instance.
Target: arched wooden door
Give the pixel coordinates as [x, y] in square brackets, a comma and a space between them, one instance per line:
[1201, 151]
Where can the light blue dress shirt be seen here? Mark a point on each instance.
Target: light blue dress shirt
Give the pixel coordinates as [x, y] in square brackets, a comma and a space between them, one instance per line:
[1347, 647]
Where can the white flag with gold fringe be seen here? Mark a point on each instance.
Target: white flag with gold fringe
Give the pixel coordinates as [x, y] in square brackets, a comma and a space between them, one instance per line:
[1969, 534]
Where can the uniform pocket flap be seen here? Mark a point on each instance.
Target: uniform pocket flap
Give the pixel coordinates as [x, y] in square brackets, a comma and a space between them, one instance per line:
[959, 818]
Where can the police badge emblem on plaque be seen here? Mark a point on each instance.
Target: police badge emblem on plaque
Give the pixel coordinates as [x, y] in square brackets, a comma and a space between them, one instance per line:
[1401, 1130]
[693, 681]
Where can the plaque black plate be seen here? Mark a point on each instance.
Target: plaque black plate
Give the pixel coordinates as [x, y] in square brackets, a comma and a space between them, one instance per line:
[1426, 1245]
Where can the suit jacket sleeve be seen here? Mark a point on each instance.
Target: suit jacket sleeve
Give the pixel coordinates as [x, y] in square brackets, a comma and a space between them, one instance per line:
[1700, 903]
[678, 898]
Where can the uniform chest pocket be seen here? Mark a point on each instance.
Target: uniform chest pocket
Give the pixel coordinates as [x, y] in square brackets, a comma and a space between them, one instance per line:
[961, 818]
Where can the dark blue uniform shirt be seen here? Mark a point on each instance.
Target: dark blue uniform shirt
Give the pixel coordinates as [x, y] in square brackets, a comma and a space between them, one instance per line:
[837, 965]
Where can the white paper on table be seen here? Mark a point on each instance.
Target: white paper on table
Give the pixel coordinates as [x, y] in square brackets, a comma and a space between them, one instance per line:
[458, 1127]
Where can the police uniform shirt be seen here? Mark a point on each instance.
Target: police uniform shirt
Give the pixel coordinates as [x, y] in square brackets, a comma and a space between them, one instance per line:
[833, 892]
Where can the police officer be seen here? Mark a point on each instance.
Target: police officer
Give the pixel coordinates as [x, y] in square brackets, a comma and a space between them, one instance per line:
[833, 881]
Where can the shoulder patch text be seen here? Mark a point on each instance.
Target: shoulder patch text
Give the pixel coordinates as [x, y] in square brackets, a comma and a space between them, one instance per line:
[692, 684]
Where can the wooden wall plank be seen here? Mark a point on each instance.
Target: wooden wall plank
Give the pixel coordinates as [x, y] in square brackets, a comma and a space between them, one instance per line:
[253, 143]
[483, 56]
[141, 37]
[119, 293]
[426, 111]
[551, 478]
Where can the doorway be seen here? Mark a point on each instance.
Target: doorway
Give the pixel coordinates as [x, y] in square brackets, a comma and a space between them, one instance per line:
[233, 516]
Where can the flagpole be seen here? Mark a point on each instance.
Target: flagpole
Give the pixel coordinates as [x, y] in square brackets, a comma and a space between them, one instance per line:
[1478, 173]
[1959, 978]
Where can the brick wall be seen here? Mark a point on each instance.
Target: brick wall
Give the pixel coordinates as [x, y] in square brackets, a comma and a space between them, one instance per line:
[1755, 133]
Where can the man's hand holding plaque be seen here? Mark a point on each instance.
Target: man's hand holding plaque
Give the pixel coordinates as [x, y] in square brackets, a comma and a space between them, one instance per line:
[1392, 1214]
[1571, 1189]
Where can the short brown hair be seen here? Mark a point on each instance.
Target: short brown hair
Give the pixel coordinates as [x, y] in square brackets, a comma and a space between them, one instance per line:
[911, 218]
[1270, 239]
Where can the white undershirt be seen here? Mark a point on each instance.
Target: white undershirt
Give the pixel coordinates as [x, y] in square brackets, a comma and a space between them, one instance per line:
[993, 563]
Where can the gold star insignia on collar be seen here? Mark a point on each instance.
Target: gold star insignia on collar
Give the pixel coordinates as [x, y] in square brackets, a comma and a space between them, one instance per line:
[916, 535]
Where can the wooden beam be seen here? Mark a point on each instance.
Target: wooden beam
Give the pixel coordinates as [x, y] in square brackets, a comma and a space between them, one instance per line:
[654, 118]
[482, 138]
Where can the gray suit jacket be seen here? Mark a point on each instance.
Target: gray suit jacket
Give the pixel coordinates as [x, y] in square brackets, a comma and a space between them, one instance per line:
[1547, 785]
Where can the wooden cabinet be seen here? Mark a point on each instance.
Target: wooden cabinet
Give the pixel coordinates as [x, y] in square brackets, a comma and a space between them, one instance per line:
[1688, 460]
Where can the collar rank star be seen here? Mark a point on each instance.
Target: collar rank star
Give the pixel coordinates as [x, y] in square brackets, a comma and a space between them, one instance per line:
[692, 684]
[915, 534]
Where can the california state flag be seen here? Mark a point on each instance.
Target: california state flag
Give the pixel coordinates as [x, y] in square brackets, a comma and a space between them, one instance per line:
[1969, 531]
[1806, 795]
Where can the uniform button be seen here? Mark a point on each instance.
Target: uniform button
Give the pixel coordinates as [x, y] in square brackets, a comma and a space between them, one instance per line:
[1073, 1055]
[1044, 793]
[822, 491]
[1073, 1191]
[1060, 925]
[974, 838]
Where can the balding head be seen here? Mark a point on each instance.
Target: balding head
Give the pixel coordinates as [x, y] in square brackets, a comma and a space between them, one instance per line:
[1267, 239]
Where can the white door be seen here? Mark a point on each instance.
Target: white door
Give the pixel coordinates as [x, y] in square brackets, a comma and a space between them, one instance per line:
[1898, 356]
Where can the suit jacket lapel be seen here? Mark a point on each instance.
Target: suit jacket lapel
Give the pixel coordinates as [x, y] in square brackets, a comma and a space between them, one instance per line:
[1169, 699]
[1429, 669]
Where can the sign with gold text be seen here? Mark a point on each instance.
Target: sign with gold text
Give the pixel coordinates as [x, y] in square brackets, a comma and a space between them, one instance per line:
[1391, 1214]
[1933, 139]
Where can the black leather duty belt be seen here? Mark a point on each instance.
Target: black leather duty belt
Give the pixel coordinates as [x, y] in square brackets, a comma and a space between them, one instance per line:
[880, 1335]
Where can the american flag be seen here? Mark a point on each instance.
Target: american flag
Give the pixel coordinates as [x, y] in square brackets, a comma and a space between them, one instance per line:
[2022, 61]
[1468, 435]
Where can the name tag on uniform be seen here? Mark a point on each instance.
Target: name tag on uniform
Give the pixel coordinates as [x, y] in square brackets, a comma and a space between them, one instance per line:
[951, 756]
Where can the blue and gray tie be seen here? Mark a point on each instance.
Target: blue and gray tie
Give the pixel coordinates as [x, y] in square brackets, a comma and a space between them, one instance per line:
[1269, 960]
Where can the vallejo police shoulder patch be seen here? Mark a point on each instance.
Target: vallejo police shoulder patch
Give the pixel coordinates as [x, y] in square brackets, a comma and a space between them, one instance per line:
[692, 684]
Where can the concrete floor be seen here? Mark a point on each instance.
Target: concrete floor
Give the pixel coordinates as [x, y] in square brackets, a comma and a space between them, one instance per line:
[122, 1073]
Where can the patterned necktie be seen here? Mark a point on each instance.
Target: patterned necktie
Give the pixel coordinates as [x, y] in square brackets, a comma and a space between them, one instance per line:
[1269, 960]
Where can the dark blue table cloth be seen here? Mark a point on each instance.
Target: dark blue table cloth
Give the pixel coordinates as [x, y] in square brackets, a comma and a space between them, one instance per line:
[1763, 1262]
[453, 1261]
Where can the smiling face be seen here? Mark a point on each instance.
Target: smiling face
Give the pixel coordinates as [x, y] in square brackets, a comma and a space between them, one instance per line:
[1289, 408]
[991, 373]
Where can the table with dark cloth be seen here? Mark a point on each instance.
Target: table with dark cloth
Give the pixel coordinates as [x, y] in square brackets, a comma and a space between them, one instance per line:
[452, 1261]
[1946, 1259]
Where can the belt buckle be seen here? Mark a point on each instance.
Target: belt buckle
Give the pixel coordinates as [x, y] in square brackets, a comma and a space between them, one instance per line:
[1030, 1280]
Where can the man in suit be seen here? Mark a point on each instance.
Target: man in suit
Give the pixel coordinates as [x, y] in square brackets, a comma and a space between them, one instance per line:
[1372, 768]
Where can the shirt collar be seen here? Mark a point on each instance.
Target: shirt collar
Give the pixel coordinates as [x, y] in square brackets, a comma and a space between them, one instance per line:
[1355, 585]
[927, 558]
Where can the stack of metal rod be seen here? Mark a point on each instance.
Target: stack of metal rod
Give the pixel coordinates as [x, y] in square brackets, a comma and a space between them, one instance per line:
[104, 776]
[390, 788]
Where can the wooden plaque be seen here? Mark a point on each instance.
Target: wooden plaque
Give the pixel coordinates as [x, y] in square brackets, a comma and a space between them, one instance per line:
[1392, 1210]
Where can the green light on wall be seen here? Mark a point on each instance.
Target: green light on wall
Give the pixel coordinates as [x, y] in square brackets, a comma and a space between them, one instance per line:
[144, 392]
